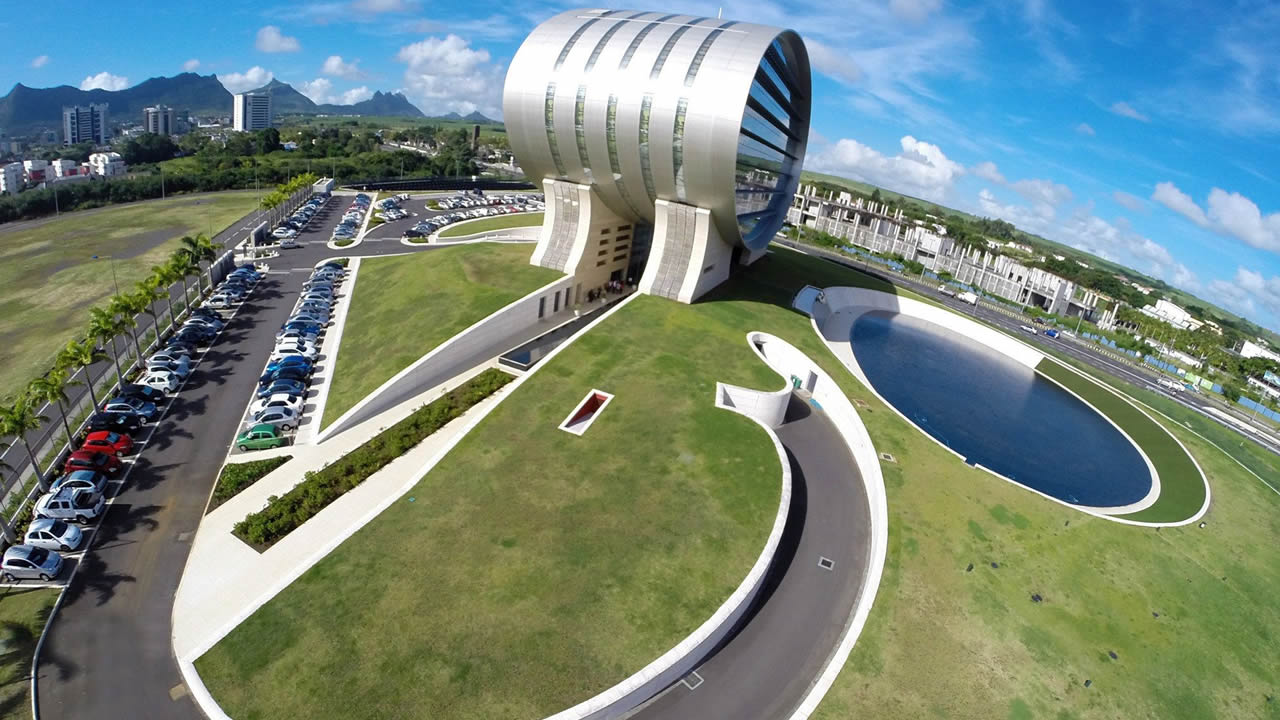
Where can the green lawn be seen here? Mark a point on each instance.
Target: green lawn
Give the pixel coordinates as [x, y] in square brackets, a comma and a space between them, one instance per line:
[499, 222]
[1189, 612]
[1181, 487]
[22, 618]
[50, 282]
[406, 305]
[533, 568]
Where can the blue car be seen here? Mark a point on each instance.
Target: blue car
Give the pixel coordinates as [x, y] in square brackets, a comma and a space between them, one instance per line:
[291, 372]
[133, 404]
[290, 361]
[288, 387]
[307, 327]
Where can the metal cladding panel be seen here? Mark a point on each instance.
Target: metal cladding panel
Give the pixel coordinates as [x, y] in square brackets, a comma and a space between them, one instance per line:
[715, 102]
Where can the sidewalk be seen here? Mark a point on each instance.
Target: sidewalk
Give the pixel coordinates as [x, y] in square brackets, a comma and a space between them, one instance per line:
[225, 580]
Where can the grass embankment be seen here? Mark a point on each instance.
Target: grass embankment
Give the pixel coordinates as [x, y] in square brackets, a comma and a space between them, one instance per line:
[50, 280]
[404, 306]
[22, 617]
[498, 222]
[1181, 487]
[235, 477]
[320, 488]
[534, 568]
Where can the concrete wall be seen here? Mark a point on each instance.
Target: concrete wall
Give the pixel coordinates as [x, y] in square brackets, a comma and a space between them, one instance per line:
[506, 328]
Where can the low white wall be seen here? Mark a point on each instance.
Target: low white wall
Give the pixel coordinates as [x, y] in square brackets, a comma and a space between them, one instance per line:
[510, 324]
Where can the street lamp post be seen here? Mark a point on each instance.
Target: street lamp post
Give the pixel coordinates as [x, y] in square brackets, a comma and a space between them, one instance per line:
[114, 280]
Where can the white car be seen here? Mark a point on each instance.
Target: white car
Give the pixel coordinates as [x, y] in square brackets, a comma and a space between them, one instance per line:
[284, 232]
[289, 402]
[24, 562]
[281, 417]
[289, 244]
[319, 295]
[166, 381]
[295, 336]
[70, 503]
[206, 321]
[53, 535]
[168, 356]
[282, 353]
[220, 300]
[180, 369]
[1028, 328]
[310, 318]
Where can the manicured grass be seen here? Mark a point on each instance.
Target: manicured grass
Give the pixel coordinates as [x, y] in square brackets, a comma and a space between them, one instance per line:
[1181, 487]
[942, 640]
[499, 222]
[22, 617]
[238, 476]
[50, 282]
[406, 305]
[533, 568]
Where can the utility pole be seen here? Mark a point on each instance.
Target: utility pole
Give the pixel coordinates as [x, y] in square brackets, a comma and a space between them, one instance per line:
[162, 182]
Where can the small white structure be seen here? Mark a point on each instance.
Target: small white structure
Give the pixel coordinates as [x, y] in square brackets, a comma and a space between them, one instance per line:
[11, 181]
[1172, 314]
[586, 412]
[107, 164]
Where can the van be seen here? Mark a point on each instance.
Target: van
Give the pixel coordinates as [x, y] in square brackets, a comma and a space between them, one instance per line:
[70, 503]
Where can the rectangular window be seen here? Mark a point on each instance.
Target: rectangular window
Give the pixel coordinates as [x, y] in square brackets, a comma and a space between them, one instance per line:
[603, 252]
[623, 256]
[602, 263]
[646, 109]
[542, 307]
[555, 302]
[605, 231]
[677, 147]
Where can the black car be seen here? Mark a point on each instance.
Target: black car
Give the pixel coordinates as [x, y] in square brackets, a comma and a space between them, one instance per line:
[208, 312]
[121, 422]
[193, 336]
[284, 373]
[200, 331]
[144, 392]
[411, 233]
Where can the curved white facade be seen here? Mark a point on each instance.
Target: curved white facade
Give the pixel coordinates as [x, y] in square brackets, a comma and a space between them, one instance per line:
[649, 106]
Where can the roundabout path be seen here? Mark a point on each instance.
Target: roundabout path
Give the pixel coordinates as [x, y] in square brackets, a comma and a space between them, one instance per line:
[766, 669]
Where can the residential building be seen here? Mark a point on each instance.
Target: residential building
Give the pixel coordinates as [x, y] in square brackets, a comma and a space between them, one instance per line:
[11, 178]
[1172, 314]
[627, 122]
[1250, 349]
[106, 164]
[63, 167]
[251, 111]
[158, 120]
[36, 171]
[85, 123]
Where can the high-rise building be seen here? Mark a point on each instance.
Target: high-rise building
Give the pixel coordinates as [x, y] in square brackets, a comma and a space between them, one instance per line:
[81, 123]
[251, 111]
[669, 146]
[158, 120]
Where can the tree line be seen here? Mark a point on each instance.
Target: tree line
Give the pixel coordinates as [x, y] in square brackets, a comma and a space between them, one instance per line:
[116, 320]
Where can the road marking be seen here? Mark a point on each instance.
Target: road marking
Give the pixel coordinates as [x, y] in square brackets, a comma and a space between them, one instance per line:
[695, 677]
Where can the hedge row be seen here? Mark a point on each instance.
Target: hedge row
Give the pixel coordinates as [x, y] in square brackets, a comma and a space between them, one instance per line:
[238, 476]
[321, 487]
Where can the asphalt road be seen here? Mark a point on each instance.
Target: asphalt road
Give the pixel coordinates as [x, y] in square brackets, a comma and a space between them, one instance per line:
[764, 671]
[108, 653]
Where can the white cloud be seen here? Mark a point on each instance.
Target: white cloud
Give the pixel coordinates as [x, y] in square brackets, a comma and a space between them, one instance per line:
[921, 169]
[104, 81]
[1086, 129]
[447, 74]
[321, 92]
[271, 40]
[335, 67]
[254, 77]
[1168, 195]
[914, 10]
[1043, 191]
[1124, 109]
[833, 62]
[1247, 292]
[40, 61]
[1131, 202]
[190, 65]
[988, 171]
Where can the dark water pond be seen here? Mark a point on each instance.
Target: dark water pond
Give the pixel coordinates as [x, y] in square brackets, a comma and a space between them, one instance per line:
[998, 413]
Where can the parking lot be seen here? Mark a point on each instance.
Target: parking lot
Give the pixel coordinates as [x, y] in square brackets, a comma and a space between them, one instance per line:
[417, 204]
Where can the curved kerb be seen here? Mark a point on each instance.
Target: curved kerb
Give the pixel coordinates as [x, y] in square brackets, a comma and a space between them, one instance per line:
[833, 311]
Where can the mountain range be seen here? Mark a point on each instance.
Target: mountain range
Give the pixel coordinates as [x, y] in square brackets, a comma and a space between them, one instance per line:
[25, 108]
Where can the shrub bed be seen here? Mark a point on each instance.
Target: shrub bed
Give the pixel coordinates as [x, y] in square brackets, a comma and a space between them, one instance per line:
[238, 476]
[321, 487]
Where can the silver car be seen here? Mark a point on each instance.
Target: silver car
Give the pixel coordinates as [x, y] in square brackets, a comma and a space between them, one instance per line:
[53, 535]
[24, 562]
[281, 417]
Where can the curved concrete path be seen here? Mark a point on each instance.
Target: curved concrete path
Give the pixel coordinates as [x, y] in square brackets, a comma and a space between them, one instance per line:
[764, 671]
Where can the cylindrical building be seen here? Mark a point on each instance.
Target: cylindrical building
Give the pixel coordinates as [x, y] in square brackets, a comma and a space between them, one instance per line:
[649, 109]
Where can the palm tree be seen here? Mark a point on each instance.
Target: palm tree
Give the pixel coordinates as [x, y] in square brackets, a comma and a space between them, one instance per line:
[52, 388]
[104, 326]
[126, 310]
[183, 265]
[84, 353]
[165, 277]
[148, 292]
[200, 249]
[17, 420]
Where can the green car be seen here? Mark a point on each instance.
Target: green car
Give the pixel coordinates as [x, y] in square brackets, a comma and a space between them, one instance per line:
[261, 437]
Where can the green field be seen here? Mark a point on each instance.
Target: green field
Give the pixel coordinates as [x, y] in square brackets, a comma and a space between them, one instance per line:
[1190, 613]
[500, 222]
[22, 618]
[406, 305]
[533, 568]
[50, 282]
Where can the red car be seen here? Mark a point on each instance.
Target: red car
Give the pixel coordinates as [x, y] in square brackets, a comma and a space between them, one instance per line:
[111, 443]
[92, 460]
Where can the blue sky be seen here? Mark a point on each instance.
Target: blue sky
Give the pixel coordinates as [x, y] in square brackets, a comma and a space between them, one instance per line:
[1145, 132]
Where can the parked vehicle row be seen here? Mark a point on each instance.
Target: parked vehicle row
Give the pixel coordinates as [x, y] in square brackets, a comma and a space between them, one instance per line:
[277, 407]
[389, 210]
[289, 228]
[480, 207]
[478, 199]
[351, 219]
